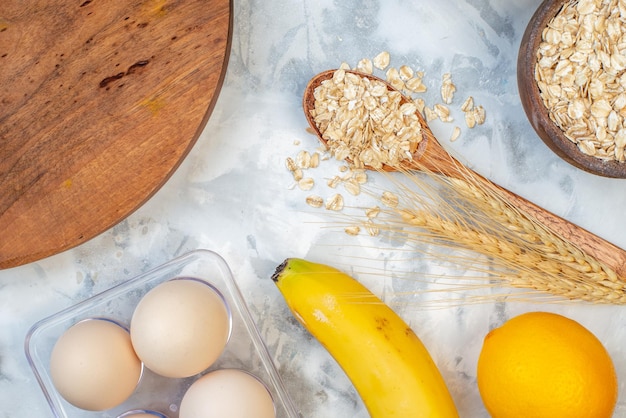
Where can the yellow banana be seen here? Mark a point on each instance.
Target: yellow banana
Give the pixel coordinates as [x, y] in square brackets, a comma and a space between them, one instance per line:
[386, 362]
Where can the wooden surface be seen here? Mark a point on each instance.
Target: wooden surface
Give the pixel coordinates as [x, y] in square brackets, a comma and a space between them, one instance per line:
[99, 103]
[432, 157]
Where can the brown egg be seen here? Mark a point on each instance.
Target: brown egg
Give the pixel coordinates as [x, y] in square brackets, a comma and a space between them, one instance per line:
[180, 327]
[93, 365]
[228, 393]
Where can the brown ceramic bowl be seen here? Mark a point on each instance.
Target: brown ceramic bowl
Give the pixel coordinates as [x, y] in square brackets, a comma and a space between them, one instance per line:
[536, 111]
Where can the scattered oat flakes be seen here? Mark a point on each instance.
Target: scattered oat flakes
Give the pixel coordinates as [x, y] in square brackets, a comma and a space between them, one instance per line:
[429, 114]
[372, 212]
[352, 230]
[352, 186]
[393, 77]
[360, 176]
[290, 164]
[447, 88]
[468, 104]
[442, 112]
[315, 201]
[381, 61]
[406, 72]
[365, 66]
[333, 182]
[415, 85]
[306, 183]
[303, 159]
[456, 132]
[420, 104]
[479, 114]
[389, 199]
[298, 174]
[335, 203]
[470, 119]
[371, 228]
[315, 160]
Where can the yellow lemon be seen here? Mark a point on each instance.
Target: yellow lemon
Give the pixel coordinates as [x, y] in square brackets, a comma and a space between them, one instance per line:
[542, 364]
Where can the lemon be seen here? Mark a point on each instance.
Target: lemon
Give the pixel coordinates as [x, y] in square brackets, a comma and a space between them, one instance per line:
[541, 364]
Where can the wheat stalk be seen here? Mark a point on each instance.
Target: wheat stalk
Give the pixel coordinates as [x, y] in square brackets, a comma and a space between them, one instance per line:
[515, 249]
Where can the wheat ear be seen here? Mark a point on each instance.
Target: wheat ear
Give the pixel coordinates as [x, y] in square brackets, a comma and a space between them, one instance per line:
[519, 251]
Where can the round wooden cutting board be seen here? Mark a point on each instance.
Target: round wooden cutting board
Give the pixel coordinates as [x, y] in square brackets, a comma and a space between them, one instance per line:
[100, 100]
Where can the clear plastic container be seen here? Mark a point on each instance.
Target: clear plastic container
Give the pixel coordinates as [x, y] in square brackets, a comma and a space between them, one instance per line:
[245, 349]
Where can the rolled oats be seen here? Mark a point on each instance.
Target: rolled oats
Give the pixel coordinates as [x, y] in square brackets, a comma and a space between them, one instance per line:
[393, 77]
[479, 114]
[468, 104]
[335, 202]
[429, 114]
[306, 183]
[406, 72]
[419, 104]
[352, 230]
[456, 132]
[315, 201]
[381, 61]
[290, 164]
[364, 122]
[371, 228]
[580, 74]
[415, 85]
[447, 88]
[333, 182]
[389, 199]
[470, 119]
[303, 159]
[365, 66]
[372, 212]
[315, 160]
[360, 176]
[352, 187]
[442, 112]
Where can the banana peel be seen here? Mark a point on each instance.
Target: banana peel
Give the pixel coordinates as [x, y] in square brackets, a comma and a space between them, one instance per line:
[387, 363]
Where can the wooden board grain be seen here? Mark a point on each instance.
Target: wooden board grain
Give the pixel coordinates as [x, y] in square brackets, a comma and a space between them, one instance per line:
[99, 103]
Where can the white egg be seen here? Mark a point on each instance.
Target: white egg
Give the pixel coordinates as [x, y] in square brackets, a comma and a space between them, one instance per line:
[180, 327]
[93, 365]
[227, 393]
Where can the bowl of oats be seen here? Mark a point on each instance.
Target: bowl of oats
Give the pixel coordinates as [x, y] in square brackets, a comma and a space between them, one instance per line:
[571, 73]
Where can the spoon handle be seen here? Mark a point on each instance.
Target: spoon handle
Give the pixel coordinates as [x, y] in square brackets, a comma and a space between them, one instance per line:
[601, 250]
[437, 160]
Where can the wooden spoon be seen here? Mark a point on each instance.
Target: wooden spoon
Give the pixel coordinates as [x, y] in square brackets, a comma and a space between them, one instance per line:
[431, 156]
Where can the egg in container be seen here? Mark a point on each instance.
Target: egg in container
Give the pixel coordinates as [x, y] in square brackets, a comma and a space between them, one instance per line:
[93, 364]
[180, 327]
[231, 393]
[243, 349]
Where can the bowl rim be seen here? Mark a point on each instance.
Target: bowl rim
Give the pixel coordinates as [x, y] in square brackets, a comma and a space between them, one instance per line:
[537, 112]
